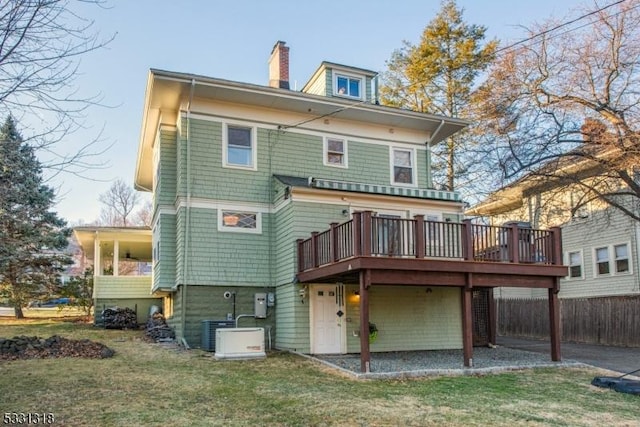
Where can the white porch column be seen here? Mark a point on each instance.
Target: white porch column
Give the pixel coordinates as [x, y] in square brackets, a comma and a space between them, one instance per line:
[97, 256]
[116, 256]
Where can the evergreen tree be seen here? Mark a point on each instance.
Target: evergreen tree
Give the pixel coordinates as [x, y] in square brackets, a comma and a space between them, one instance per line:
[31, 235]
[437, 77]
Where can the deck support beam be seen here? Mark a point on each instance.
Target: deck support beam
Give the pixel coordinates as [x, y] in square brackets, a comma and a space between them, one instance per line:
[467, 322]
[554, 323]
[365, 354]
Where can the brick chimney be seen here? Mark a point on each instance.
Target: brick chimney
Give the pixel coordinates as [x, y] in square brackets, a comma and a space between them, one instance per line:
[279, 66]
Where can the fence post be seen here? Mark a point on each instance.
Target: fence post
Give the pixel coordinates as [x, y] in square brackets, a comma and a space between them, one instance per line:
[333, 249]
[467, 239]
[300, 255]
[419, 240]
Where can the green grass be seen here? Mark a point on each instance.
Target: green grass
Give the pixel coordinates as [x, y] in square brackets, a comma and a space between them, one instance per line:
[147, 384]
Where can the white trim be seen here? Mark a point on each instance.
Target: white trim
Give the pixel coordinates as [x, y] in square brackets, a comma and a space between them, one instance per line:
[354, 137]
[325, 152]
[567, 259]
[629, 258]
[231, 229]
[414, 167]
[225, 146]
[200, 203]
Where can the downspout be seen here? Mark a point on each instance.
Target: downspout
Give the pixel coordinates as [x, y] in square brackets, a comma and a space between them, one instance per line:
[187, 218]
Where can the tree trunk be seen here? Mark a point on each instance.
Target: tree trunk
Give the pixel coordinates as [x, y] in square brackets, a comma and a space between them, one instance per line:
[18, 312]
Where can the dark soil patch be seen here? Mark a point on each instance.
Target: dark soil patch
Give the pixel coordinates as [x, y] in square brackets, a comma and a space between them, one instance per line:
[23, 347]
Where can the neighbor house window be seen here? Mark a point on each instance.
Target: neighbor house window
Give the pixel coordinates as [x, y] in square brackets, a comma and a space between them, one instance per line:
[622, 258]
[575, 265]
[348, 86]
[239, 221]
[335, 152]
[402, 166]
[239, 147]
[602, 261]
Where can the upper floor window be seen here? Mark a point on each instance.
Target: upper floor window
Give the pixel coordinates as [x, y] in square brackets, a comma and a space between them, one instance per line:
[402, 166]
[602, 261]
[239, 147]
[239, 221]
[622, 258]
[348, 86]
[575, 264]
[335, 152]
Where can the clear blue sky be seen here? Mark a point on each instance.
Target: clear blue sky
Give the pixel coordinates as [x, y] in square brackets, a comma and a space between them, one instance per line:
[233, 40]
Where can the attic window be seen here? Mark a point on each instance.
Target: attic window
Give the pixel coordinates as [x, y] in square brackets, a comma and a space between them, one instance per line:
[348, 86]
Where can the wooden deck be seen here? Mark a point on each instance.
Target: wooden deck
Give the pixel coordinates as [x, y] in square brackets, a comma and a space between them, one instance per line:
[370, 250]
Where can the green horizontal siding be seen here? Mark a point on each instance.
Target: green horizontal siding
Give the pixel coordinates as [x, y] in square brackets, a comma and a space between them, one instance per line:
[164, 270]
[165, 192]
[292, 320]
[122, 287]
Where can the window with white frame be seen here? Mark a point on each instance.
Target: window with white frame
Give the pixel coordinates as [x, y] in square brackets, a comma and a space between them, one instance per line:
[602, 261]
[239, 221]
[621, 253]
[402, 166]
[575, 264]
[348, 86]
[335, 152]
[239, 146]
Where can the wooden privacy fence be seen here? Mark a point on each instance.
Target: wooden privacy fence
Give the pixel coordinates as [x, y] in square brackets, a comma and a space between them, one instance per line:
[609, 321]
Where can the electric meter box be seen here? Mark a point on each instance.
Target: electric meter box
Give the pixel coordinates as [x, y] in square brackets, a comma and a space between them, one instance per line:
[260, 305]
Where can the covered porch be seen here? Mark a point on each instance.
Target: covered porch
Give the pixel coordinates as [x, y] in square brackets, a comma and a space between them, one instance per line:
[380, 251]
[121, 258]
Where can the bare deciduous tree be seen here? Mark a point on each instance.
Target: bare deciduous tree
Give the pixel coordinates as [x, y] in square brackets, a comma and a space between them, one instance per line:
[119, 202]
[566, 107]
[41, 43]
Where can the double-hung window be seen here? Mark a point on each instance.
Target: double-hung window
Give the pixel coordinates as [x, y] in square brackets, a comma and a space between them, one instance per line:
[602, 261]
[403, 169]
[622, 258]
[335, 152]
[575, 265]
[348, 86]
[239, 147]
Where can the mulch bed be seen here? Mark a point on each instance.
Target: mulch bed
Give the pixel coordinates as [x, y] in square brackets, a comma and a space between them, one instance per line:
[24, 347]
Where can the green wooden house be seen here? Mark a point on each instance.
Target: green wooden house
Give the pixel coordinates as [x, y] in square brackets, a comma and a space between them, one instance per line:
[244, 175]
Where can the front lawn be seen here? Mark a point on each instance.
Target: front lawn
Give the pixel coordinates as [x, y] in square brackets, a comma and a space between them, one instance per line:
[148, 384]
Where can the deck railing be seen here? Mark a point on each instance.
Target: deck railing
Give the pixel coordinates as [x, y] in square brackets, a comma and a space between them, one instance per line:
[368, 235]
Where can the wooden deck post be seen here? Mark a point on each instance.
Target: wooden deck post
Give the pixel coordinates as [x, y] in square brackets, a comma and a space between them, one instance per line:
[557, 245]
[365, 354]
[554, 322]
[314, 249]
[467, 322]
[366, 233]
[467, 239]
[357, 233]
[419, 236]
[300, 255]
[333, 249]
[514, 244]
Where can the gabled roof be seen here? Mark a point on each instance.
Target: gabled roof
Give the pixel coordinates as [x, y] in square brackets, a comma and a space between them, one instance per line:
[166, 90]
[555, 174]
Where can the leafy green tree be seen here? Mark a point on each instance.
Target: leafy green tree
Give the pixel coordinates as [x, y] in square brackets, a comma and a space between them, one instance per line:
[31, 235]
[80, 291]
[437, 76]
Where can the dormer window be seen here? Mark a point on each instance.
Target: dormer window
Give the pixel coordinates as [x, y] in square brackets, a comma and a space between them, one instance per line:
[348, 86]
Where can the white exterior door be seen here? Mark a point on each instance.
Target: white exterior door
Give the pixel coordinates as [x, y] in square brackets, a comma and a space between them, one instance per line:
[327, 314]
